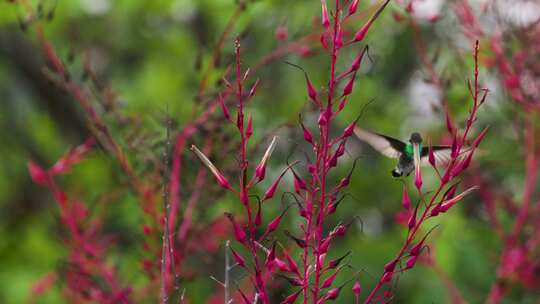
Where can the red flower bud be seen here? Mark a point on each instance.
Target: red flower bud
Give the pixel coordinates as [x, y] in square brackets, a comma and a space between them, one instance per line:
[436, 210]
[349, 86]
[38, 175]
[387, 277]
[390, 266]
[480, 137]
[332, 294]
[272, 189]
[455, 147]
[358, 60]
[325, 19]
[293, 267]
[431, 156]
[281, 265]
[340, 230]
[222, 181]
[260, 170]
[411, 261]
[335, 263]
[224, 108]
[299, 184]
[240, 261]
[445, 205]
[412, 220]
[357, 289]
[328, 282]
[271, 256]
[359, 36]
[418, 178]
[254, 88]
[291, 298]
[239, 233]
[307, 134]
[320, 260]
[249, 128]
[325, 244]
[275, 222]
[349, 130]
[353, 7]
[406, 200]
[415, 250]
[312, 93]
[281, 33]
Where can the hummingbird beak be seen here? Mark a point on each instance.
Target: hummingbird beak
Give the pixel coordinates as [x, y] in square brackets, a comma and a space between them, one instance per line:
[416, 153]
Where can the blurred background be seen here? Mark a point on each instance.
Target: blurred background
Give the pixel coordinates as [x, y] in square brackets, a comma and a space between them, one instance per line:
[143, 62]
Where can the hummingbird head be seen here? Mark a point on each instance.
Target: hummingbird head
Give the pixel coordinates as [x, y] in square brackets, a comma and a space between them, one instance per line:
[415, 138]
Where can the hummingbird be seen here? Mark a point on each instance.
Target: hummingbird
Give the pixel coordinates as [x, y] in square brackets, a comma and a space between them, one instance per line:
[408, 154]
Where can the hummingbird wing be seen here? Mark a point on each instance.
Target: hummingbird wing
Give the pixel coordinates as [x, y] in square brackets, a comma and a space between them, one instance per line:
[386, 145]
[443, 154]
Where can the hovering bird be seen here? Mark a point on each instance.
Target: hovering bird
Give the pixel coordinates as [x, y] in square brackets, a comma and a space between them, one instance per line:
[409, 154]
